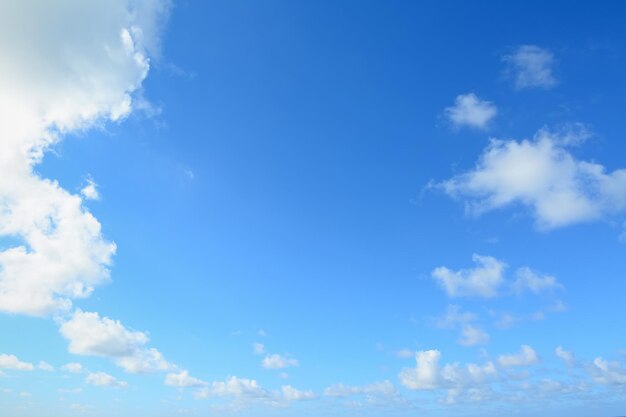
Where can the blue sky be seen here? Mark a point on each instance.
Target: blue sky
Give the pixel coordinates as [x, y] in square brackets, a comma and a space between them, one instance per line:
[312, 208]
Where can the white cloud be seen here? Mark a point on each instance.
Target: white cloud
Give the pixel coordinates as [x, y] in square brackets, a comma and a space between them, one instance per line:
[74, 368]
[183, 380]
[276, 361]
[544, 176]
[12, 362]
[92, 335]
[45, 366]
[425, 375]
[90, 191]
[289, 393]
[528, 280]
[526, 357]
[243, 391]
[428, 375]
[240, 388]
[608, 373]
[47, 91]
[258, 348]
[482, 281]
[471, 111]
[143, 361]
[567, 357]
[102, 379]
[473, 335]
[531, 67]
[455, 375]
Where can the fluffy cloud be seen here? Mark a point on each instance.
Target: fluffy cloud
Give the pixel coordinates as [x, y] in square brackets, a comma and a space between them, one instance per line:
[102, 379]
[12, 362]
[482, 281]
[290, 393]
[471, 111]
[544, 176]
[90, 191]
[428, 375]
[276, 361]
[243, 391]
[92, 335]
[66, 65]
[183, 380]
[240, 388]
[525, 357]
[531, 67]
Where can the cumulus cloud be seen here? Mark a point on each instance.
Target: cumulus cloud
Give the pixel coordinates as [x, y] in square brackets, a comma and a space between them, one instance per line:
[12, 362]
[525, 357]
[66, 65]
[488, 280]
[183, 380]
[244, 391]
[276, 361]
[428, 375]
[531, 67]
[482, 281]
[544, 176]
[92, 335]
[102, 379]
[90, 190]
[240, 388]
[470, 111]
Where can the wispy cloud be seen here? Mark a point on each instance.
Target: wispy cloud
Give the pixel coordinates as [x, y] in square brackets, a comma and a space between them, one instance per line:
[531, 67]
[276, 361]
